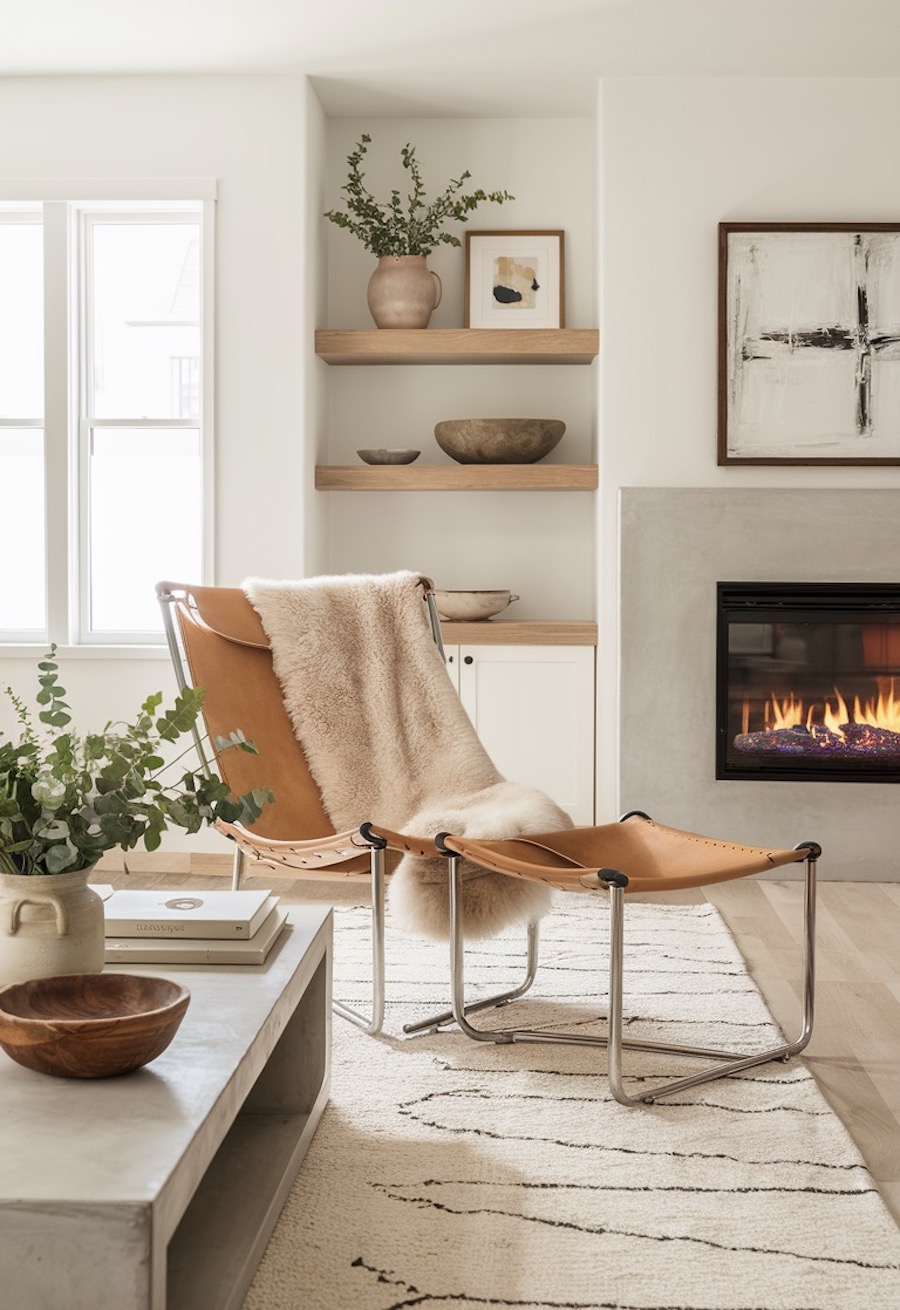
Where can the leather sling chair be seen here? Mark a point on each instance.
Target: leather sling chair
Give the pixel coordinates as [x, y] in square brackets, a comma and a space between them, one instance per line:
[217, 642]
[635, 855]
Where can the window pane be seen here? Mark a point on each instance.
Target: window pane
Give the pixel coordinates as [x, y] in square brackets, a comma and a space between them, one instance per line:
[146, 320]
[23, 605]
[145, 522]
[21, 320]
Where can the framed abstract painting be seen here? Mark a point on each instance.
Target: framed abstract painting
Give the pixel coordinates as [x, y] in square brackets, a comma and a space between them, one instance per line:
[515, 280]
[809, 343]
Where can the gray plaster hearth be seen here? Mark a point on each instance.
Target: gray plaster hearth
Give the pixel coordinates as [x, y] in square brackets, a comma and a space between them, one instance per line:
[676, 544]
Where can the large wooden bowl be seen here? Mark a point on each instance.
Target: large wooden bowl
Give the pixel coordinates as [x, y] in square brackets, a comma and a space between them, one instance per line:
[90, 1025]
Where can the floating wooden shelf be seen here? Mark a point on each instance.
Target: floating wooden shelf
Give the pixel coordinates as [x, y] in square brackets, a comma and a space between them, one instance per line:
[457, 477]
[458, 346]
[527, 632]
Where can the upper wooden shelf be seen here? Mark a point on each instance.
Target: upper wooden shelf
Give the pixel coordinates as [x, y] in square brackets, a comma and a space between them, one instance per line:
[456, 477]
[458, 346]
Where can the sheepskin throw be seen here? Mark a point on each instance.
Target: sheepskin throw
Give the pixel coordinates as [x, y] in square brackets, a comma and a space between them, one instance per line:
[387, 740]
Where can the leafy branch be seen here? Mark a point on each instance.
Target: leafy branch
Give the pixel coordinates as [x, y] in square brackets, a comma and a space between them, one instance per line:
[407, 226]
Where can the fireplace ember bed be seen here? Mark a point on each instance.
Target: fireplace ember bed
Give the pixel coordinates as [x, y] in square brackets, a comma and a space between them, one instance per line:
[808, 681]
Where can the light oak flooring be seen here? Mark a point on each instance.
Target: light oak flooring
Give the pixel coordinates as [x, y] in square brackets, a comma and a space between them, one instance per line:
[855, 1050]
[854, 1053]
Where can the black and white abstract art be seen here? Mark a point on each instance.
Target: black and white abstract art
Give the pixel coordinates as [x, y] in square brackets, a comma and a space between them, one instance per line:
[809, 343]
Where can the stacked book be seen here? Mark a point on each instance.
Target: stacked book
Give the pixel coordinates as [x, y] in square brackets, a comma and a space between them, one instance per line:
[190, 927]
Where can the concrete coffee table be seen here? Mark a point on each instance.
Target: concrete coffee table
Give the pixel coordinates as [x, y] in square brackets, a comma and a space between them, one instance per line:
[159, 1189]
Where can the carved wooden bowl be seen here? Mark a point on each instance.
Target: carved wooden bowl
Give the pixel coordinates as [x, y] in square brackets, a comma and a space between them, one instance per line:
[90, 1025]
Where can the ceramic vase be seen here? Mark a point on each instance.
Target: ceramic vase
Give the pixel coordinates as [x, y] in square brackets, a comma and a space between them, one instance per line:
[49, 924]
[403, 292]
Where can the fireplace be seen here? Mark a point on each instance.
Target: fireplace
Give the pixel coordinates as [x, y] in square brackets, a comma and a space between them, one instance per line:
[808, 682]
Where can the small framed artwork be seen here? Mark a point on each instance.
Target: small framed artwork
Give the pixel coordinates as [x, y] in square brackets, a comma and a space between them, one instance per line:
[515, 280]
[809, 343]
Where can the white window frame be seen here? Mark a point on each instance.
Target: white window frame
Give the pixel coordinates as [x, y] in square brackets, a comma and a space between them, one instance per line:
[31, 212]
[68, 209]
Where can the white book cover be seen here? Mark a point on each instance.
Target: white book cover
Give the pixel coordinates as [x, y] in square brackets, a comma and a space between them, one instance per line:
[191, 913]
[194, 950]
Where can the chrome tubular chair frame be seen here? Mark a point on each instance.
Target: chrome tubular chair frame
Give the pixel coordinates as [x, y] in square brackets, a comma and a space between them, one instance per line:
[373, 1023]
[615, 882]
[319, 856]
[447, 1017]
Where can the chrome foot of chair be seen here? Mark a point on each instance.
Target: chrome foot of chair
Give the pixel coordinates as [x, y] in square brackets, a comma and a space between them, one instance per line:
[374, 1022]
[447, 1017]
[237, 868]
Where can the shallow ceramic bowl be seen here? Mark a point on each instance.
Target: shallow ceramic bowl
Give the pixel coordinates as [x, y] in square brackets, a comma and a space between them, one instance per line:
[90, 1025]
[397, 456]
[471, 606]
[498, 440]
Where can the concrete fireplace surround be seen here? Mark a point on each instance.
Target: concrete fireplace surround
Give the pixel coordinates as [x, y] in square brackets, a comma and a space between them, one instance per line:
[675, 545]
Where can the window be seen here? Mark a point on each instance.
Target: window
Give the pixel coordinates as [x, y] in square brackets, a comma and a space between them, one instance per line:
[104, 414]
[22, 602]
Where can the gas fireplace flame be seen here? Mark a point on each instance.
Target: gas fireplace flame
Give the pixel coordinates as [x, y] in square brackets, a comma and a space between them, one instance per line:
[790, 725]
[881, 711]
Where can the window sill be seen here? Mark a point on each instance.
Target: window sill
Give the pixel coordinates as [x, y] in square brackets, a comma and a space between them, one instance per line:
[29, 651]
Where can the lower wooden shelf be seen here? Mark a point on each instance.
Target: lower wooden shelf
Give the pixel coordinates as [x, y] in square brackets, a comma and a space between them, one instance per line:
[524, 632]
[457, 477]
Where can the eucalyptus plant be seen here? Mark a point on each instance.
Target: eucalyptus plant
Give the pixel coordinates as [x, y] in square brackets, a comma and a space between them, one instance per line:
[407, 226]
[66, 798]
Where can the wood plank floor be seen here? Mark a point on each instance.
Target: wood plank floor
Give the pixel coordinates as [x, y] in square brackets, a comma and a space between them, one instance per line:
[854, 1053]
[855, 1050]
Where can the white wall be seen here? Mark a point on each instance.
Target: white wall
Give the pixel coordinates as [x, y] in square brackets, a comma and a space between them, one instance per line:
[261, 139]
[677, 157]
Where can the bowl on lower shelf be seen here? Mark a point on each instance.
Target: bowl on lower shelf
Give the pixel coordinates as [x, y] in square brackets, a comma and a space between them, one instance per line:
[388, 456]
[498, 440]
[90, 1025]
[471, 606]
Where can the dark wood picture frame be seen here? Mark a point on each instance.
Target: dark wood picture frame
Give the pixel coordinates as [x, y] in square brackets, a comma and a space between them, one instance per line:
[806, 338]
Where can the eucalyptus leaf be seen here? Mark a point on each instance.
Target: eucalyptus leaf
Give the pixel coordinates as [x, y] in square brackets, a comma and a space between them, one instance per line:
[54, 831]
[59, 858]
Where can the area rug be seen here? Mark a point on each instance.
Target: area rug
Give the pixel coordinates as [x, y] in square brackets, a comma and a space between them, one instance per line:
[447, 1173]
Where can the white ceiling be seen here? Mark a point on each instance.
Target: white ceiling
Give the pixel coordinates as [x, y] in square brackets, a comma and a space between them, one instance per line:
[469, 57]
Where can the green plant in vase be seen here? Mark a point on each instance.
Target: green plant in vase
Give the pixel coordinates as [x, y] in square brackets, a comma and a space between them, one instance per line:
[401, 232]
[66, 798]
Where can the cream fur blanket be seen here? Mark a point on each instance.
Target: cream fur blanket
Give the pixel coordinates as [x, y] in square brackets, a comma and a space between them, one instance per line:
[388, 741]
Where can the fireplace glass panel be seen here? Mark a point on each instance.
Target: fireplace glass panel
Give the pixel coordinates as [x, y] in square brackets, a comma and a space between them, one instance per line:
[809, 682]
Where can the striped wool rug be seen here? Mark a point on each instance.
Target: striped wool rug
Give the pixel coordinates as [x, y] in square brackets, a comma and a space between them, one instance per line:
[447, 1173]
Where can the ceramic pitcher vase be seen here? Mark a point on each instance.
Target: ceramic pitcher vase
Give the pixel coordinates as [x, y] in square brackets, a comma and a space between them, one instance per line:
[49, 924]
[403, 292]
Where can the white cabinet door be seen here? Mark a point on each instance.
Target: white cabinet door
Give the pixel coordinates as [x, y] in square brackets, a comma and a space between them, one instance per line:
[533, 708]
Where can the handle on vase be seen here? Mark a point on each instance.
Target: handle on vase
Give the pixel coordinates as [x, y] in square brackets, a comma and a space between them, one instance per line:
[440, 287]
[40, 898]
